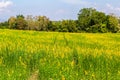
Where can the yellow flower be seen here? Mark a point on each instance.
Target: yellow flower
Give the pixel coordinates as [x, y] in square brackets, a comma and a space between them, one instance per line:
[1, 60]
[62, 55]
[22, 63]
[63, 78]
[119, 72]
[8, 73]
[72, 63]
[93, 75]
[86, 73]
[58, 64]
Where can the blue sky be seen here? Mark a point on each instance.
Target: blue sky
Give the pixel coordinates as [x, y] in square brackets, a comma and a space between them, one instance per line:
[55, 9]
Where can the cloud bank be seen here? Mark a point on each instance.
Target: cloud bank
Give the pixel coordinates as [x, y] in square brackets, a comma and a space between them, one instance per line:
[4, 5]
[76, 2]
[112, 7]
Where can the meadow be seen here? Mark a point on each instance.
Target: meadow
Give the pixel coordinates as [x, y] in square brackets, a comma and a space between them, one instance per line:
[31, 55]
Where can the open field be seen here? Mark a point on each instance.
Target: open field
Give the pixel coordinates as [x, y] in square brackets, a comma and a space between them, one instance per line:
[30, 55]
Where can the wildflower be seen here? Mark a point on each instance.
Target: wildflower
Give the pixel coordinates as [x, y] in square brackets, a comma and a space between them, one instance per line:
[8, 73]
[22, 63]
[63, 78]
[20, 74]
[86, 73]
[72, 63]
[93, 75]
[1, 60]
[119, 72]
[108, 73]
[58, 64]
[62, 55]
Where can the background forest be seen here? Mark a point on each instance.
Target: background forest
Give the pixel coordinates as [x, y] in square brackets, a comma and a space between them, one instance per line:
[89, 20]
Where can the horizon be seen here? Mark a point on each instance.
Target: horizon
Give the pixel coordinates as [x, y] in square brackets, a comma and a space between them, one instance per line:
[55, 9]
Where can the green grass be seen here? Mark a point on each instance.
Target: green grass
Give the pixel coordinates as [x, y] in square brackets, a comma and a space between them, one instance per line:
[59, 56]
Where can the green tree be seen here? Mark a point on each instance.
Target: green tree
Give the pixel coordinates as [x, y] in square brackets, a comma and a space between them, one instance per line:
[112, 23]
[4, 25]
[31, 22]
[12, 22]
[43, 23]
[84, 17]
[20, 22]
[98, 22]
[64, 26]
[119, 25]
[51, 27]
[69, 26]
[91, 20]
[56, 26]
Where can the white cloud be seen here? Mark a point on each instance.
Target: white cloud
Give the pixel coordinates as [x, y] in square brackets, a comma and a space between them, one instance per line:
[76, 2]
[109, 6]
[60, 11]
[4, 5]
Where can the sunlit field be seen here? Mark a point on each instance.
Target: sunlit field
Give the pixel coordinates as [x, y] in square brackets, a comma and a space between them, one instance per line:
[31, 55]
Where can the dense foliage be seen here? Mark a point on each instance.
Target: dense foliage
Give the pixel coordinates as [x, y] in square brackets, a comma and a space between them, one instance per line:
[89, 20]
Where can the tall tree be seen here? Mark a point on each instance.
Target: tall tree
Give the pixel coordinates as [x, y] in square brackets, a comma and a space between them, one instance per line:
[20, 22]
[43, 23]
[112, 23]
[69, 26]
[31, 22]
[91, 20]
[84, 16]
[12, 22]
[4, 25]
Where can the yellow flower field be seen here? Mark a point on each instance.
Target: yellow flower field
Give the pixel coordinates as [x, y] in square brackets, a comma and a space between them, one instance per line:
[59, 56]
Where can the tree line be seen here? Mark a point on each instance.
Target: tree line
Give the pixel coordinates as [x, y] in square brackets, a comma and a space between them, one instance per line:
[89, 20]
